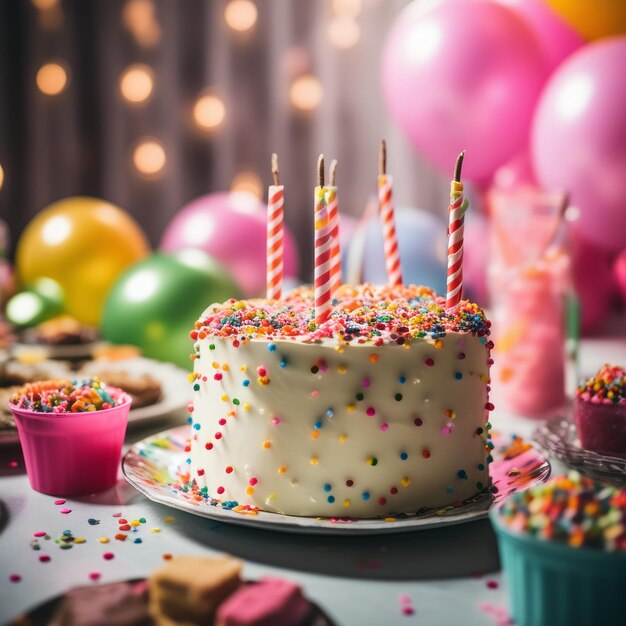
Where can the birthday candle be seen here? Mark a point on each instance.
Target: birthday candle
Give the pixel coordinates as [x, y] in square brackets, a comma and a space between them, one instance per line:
[323, 241]
[275, 203]
[333, 216]
[390, 239]
[456, 211]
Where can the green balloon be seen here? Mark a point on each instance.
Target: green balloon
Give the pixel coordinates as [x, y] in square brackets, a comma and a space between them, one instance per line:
[50, 290]
[155, 303]
[29, 308]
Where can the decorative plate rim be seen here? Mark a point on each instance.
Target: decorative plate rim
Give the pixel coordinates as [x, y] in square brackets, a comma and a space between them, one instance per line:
[139, 471]
[558, 437]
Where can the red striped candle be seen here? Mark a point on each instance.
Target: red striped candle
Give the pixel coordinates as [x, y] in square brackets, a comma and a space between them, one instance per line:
[387, 218]
[333, 217]
[456, 211]
[390, 238]
[275, 204]
[323, 244]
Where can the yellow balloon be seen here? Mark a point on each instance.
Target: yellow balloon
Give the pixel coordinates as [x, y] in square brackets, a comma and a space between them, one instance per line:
[593, 19]
[84, 244]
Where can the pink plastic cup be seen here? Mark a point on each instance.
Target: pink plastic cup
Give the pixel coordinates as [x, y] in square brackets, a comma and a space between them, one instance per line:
[70, 454]
[601, 427]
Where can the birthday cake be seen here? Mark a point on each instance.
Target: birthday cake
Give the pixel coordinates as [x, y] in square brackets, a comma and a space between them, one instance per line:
[380, 410]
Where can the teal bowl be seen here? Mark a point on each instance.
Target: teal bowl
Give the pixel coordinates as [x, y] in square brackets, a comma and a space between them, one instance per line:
[551, 584]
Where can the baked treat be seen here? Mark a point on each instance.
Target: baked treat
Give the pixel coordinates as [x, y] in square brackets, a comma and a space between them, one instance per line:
[115, 604]
[144, 389]
[380, 410]
[270, 602]
[600, 411]
[188, 589]
[563, 550]
[61, 331]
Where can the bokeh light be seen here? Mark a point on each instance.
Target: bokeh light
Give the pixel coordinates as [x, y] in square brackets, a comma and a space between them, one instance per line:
[347, 8]
[52, 79]
[343, 32]
[248, 182]
[137, 83]
[149, 157]
[306, 92]
[240, 15]
[139, 18]
[209, 111]
[44, 5]
[1, 176]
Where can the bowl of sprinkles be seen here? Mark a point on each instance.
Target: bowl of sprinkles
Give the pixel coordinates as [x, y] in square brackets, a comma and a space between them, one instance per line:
[600, 411]
[71, 433]
[563, 549]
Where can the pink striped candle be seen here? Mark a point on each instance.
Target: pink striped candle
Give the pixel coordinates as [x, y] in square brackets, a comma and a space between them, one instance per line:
[323, 243]
[390, 239]
[275, 204]
[333, 216]
[456, 211]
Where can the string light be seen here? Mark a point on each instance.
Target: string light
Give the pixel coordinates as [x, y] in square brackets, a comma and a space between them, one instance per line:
[306, 92]
[51, 79]
[1, 176]
[149, 157]
[136, 83]
[248, 182]
[347, 8]
[240, 15]
[343, 32]
[209, 111]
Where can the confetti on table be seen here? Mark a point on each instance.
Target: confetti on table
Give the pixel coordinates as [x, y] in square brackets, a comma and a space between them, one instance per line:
[93, 522]
[94, 576]
[39, 533]
[492, 584]
[65, 511]
[44, 558]
[59, 502]
[107, 556]
[168, 519]
[15, 578]
[406, 605]
[103, 539]
[167, 556]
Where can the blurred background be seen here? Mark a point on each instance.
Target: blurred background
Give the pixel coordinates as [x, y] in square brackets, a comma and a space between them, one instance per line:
[151, 103]
[168, 110]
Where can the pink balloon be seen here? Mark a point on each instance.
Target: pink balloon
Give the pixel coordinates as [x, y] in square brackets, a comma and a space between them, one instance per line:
[558, 40]
[593, 282]
[579, 139]
[231, 227]
[476, 258]
[463, 75]
[518, 172]
[619, 273]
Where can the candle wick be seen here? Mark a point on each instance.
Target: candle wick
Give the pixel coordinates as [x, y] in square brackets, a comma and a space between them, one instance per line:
[275, 170]
[458, 166]
[320, 169]
[333, 172]
[382, 158]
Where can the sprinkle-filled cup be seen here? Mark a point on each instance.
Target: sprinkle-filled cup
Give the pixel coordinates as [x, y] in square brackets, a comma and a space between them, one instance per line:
[563, 550]
[600, 411]
[73, 453]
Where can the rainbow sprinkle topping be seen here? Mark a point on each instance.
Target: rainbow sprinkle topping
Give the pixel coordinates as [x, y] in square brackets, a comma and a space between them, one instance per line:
[363, 314]
[63, 396]
[608, 386]
[570, 509]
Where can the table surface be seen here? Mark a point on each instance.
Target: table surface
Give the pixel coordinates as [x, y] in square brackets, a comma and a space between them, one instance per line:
[447, 575]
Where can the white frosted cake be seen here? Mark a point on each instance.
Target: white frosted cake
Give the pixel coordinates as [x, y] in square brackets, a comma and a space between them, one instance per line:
[381, 410]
